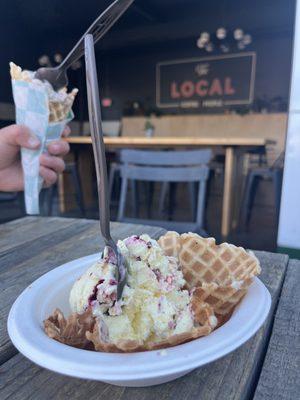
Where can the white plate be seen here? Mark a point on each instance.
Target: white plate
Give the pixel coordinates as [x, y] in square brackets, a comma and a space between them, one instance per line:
[37, 302]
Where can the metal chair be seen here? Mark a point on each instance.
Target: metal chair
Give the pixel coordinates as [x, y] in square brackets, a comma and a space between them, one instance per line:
[254, 176]
[166, 166]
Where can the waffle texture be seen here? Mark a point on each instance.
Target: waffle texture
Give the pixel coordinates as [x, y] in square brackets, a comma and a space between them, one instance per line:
[71, 331]
[219, 274]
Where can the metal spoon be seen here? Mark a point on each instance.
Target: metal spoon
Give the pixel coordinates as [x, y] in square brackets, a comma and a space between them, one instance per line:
[57, 76]
[100, 160]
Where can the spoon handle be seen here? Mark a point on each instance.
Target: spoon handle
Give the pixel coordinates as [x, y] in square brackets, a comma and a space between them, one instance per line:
[97, 136]
[98, 29]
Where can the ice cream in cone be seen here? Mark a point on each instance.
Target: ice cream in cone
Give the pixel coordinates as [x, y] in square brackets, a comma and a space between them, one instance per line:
[60, 102]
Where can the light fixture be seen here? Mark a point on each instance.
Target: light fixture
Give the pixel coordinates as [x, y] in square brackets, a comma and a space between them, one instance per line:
[58, 58]
[221, 33]
[224, 40]
[238, 34]
[224, 47]
[205, 37]
[44, 61]
[200, 43]
[209, 47]
[247, 39]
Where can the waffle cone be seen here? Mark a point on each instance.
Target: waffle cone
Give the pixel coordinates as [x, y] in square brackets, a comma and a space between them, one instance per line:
[58, 111]
[71, 331]
[221, 273]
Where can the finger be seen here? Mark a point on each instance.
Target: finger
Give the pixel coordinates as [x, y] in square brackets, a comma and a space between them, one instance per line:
[49, 176]
[66, 131]
[20, 135]
[52, 162]
[59, 148]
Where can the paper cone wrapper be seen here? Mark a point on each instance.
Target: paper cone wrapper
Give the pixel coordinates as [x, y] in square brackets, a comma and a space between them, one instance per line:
[33, 110]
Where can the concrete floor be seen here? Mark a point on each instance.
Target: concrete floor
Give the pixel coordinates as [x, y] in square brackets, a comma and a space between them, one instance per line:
[261, 233]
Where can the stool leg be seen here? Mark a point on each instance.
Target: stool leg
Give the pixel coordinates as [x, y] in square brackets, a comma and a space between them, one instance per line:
[277, 179]
[162, 197]
[201, 205]
[135, 200]
[44, 202]
[193, 198]
[122, 202]
[150, 191]
[111, 179]
[50, 197]
[78, 189]
[245, 207]
[172, 201]
[253, 190]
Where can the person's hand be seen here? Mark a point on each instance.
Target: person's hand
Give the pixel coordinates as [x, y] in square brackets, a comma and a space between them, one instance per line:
[12, 138]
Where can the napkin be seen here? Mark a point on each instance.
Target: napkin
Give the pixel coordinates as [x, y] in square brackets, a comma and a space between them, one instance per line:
[46, 113]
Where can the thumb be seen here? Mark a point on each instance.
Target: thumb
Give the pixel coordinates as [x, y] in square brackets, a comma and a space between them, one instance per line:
[19, 136]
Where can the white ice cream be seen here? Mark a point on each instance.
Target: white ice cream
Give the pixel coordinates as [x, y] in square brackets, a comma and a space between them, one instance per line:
[153, 306]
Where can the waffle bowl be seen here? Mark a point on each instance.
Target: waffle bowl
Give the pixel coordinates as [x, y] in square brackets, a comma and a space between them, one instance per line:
[205, 321]
[86, 332]
[70, 331]
[219, 274]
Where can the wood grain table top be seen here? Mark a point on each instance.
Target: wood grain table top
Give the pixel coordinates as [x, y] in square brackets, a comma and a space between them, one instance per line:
[265, 367]
[169, 141]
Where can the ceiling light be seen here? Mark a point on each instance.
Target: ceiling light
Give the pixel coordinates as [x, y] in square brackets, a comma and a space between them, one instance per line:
[238, 34]
[221, 33]
[247, 39]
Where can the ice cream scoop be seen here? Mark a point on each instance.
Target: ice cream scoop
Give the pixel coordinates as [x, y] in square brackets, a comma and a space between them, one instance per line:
[154, 304]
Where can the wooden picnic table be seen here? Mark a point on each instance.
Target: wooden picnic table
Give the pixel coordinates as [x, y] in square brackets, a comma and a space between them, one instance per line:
[266, 367]
[235, 149]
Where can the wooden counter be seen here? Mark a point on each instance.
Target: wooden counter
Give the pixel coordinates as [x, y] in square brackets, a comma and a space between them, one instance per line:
[169, 141]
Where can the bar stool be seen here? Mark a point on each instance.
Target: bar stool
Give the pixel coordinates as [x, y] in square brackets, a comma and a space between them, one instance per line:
[254, 177]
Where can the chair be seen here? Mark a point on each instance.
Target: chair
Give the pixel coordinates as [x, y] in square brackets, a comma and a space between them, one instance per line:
[166, 166]
[254, 176]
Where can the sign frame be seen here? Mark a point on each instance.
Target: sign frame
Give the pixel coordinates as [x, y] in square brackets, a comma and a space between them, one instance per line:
[249, 100]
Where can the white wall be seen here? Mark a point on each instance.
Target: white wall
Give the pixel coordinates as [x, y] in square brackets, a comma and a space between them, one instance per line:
[289, 222]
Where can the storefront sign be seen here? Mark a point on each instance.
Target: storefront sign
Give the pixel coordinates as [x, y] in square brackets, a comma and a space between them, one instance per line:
[206, 82]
